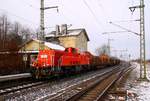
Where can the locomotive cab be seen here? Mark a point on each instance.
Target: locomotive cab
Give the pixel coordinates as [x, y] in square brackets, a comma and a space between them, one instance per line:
[71, 50]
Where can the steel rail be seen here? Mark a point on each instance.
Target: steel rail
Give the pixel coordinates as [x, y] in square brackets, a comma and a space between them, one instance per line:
[74, 87]
[96, 90]
[20, 87]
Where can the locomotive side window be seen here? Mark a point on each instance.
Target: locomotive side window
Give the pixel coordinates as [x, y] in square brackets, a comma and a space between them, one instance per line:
[71, 50]
[33, 58]
[74, 50]
[66, 50]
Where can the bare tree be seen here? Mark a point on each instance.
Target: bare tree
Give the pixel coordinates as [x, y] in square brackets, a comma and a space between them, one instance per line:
[13, 34]
[3, 31]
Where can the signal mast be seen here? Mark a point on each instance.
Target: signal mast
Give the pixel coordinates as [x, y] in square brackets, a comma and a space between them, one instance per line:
[142, 40]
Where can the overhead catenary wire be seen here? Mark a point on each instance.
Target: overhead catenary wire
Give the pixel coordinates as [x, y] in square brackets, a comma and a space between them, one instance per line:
[124, 28]
[115, 32]
[62, 13]
[93, 14]
[127, 21]
[69, 11]
[22, 18]
[102, 8]
[30, 5]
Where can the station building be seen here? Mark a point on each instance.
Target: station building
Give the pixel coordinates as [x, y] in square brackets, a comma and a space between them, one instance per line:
[33, 45]
[77, 38]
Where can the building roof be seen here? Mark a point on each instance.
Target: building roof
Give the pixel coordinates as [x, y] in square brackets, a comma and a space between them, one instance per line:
[54, 46]
[72, 32]
[48, 44]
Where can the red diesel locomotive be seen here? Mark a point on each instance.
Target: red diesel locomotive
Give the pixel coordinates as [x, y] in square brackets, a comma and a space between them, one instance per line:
[56, 62]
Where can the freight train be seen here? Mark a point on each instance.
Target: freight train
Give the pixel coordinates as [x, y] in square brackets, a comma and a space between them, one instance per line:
[57, 62]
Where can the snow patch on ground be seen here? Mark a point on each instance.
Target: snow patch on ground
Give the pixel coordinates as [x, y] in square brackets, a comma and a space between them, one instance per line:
[138, 91]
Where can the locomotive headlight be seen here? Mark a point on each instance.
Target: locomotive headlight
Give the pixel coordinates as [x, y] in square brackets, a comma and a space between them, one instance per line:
[44, 56]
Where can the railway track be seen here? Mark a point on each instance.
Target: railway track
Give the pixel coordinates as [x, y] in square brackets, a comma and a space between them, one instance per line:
[96, 90]
[116, 90]
[13, 83]
[79, 88]
[19, 87]
[57, 89]
[10, 83]
[65, 93]
[33, 88]
[16, 82]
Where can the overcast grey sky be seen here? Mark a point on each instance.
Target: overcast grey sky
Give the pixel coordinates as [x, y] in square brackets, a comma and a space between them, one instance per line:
[93, 15]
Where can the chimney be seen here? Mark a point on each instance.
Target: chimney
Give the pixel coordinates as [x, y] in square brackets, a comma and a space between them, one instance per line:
[64, 29]
[57, 30]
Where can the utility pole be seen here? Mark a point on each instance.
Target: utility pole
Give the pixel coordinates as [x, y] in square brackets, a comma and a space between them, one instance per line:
[109, 42]
[142, 40]
[41, 46]
[42, 27]
[109, 46]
